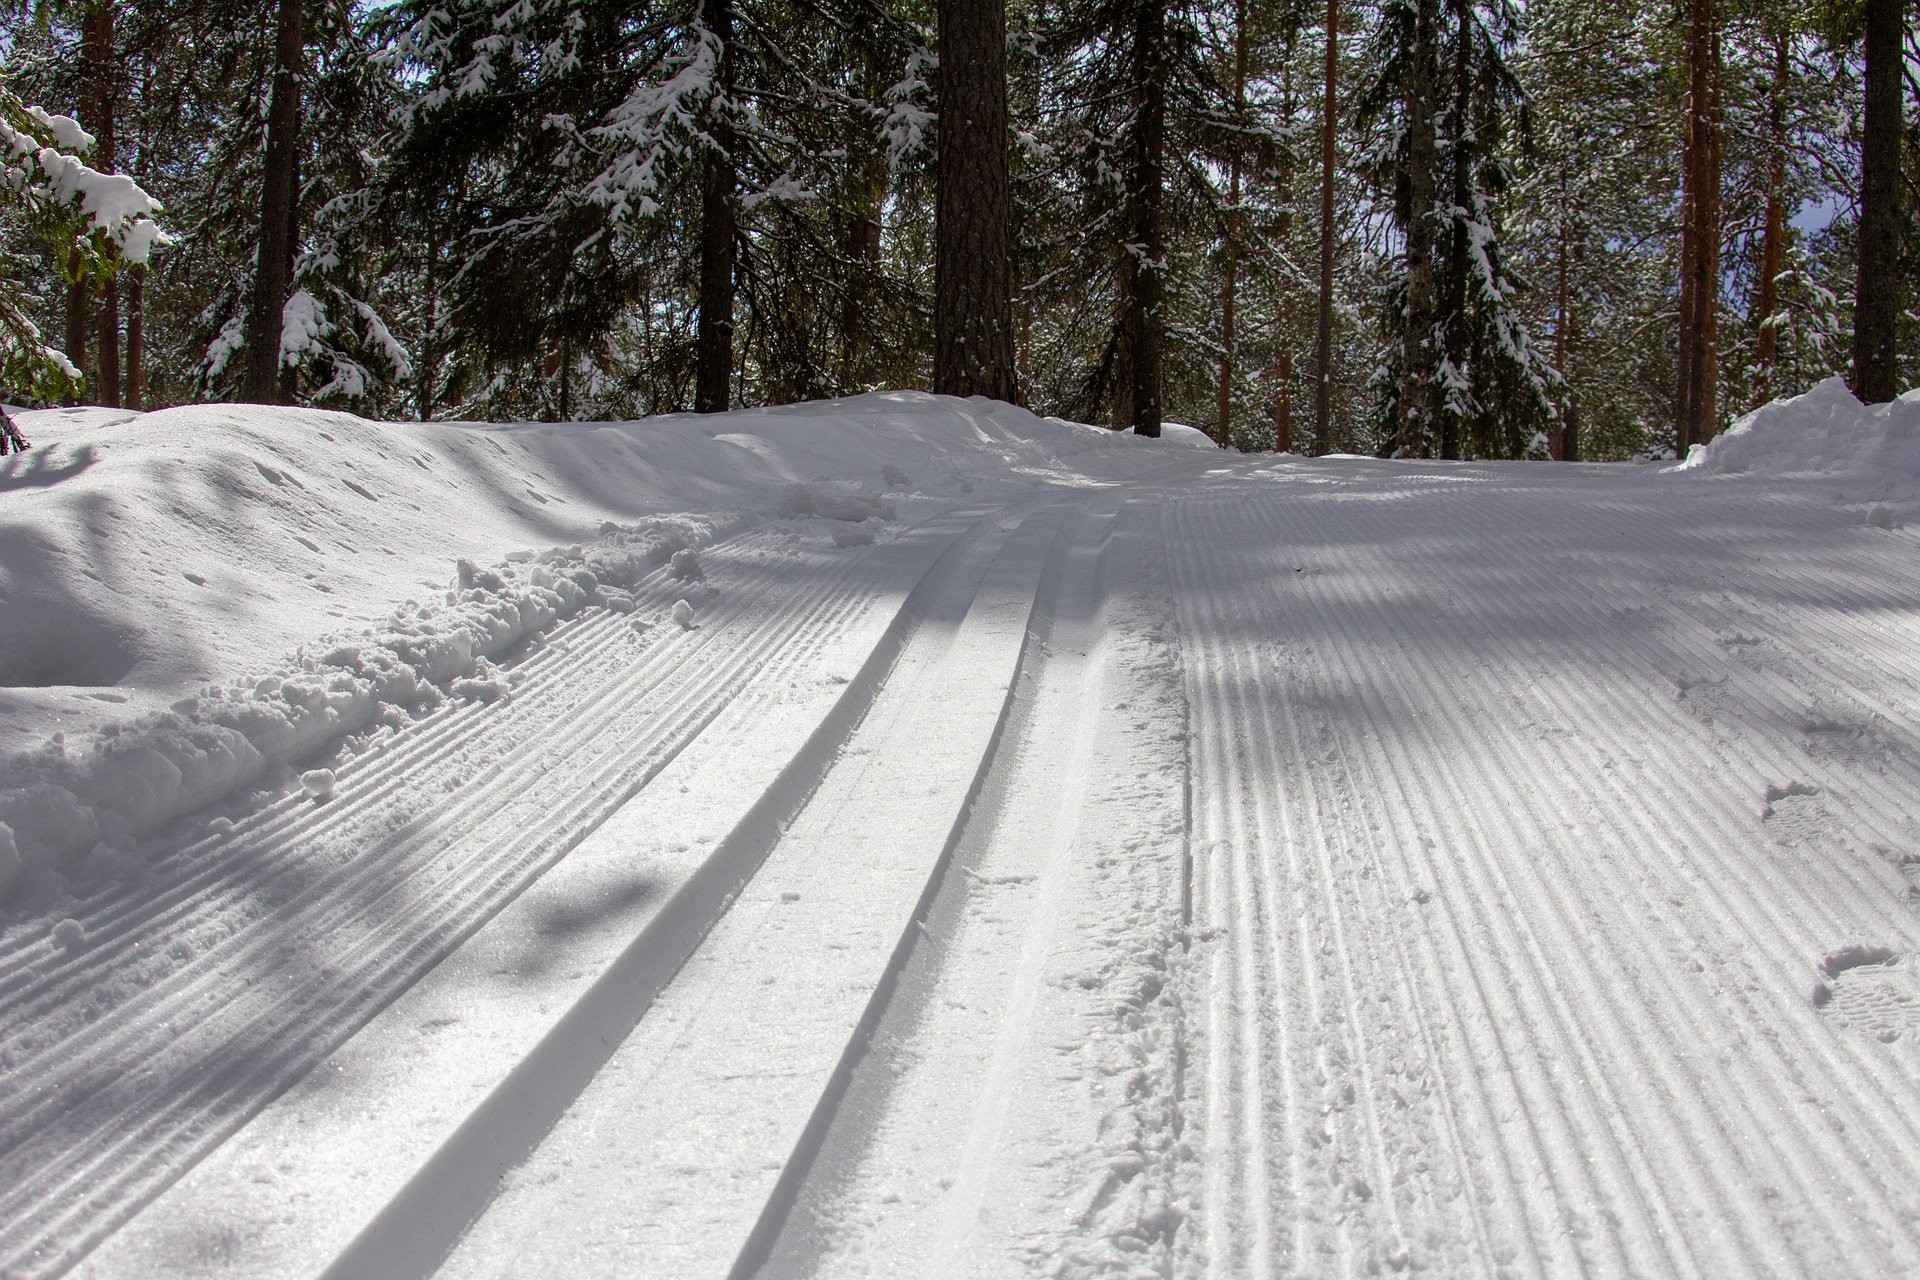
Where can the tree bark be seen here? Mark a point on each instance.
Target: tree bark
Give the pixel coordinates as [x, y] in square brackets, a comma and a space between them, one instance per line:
[713, 376]
[97, 41]
[1566, 445]
[136, 389]
[1230, 247]
[1453, 316]
[290, 373]
[1774, 237]
[1323, 331]
[1418, 398]
[1283, 406]
[973, 218]
[863, 254]
[79, 309]
[1700, 289]
[1877, 298]
[1146, 249]
[271, 274]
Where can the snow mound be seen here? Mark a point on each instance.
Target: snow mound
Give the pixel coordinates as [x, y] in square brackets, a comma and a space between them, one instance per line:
[1872, 453]
[202, 600]
[1177, 433]
[129, 779]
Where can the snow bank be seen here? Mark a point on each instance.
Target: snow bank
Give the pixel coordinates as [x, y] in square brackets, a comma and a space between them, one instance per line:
[1868, 453]
[197, 600]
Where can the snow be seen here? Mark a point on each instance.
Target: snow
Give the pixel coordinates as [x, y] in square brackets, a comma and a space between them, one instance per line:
[1866, 454]
[908, 835]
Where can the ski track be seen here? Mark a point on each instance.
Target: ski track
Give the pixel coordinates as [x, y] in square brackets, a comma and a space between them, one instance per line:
[1668, 1174]
[1283, 872]
[405, 907]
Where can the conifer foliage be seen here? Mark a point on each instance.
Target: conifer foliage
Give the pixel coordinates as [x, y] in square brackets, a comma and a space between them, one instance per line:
[1437, 228]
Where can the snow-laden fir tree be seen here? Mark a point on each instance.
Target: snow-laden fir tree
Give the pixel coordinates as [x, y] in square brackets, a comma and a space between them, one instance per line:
[1463, 377]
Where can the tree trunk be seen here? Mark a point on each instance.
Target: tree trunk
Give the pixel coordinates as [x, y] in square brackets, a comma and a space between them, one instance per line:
[1323, 331]
[1454, 307]
[863, 254]
[1700, 291]
[1230, 248]
[98, 119]
[136, 389]
[1145, 250]
[1283, 406]
[1877, 299]
[79, 310]
[1774, 239]
[1566, 445]
[1417, 384]
[973, 218]
[713, 377]
[290, 373]
[270, 276]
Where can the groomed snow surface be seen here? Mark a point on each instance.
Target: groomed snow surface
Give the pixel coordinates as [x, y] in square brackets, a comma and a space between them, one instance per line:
[906, 836]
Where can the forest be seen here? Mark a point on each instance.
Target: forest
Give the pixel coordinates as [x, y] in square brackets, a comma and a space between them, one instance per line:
[1437, 228]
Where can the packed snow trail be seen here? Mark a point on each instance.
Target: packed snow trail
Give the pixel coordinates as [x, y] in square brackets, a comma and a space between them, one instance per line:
[1193, 866]
[1518, 857]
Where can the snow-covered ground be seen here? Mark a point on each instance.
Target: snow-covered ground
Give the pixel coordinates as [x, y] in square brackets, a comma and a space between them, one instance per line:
[908, 836]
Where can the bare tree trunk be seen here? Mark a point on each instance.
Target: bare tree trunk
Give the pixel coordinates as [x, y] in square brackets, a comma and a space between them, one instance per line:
[1454, 306]
[103, 89]
[973, 209]
[1566, 445]
[290, 373]
[426, 374]
[1417, 389]
[713, 376]
[863, 251]
[79, 309]
[1145, 323]
[1283, 406]
[1229, 289]
[1877, 298]
[1774, 239]
[1230, 248]
[136, 390]
[1700, 290]
[1323, 331]
[270, 276]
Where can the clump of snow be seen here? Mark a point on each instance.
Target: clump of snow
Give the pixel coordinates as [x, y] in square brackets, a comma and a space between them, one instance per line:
[318, 783]
[9, 858]
[1182, 434]
[831, 502]
[1867, 453]
[685, 566]
[69, 934]
[683, 614]
[856, 535]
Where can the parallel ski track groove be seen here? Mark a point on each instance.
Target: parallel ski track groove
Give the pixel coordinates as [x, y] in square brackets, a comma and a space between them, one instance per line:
[1213, 707]
[1630, 1145]
[1250, 663]
[1587, 767]
[204, 862]
[712, 688]
[564, 724]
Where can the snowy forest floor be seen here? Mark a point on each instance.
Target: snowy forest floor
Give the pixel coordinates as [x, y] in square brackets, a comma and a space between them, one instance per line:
[908, 837]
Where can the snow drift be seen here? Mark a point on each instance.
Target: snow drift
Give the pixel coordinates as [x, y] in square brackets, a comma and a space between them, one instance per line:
[198, 599]
[1868, 453]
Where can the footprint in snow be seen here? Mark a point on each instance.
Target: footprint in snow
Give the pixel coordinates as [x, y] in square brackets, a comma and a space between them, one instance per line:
[1870, 988]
